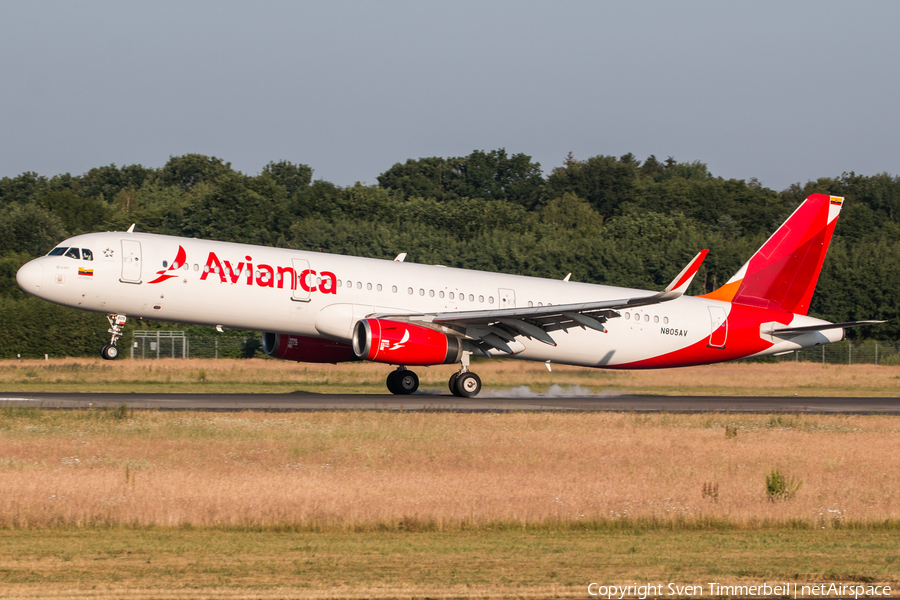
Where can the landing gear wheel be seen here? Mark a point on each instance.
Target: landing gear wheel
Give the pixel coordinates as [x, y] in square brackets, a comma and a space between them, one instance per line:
[109, 352]
[392, 382]
[407, 382]
[468, 384]
[452, 384]
[402, 382]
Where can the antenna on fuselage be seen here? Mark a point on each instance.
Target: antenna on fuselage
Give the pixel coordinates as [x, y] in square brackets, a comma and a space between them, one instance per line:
[131, 229]
[400, 257]
[566, 278]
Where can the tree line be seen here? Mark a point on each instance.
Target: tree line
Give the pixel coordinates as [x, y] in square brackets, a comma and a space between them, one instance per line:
[612, 220]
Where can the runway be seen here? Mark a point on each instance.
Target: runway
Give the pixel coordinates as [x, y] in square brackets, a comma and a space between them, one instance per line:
[448, 403]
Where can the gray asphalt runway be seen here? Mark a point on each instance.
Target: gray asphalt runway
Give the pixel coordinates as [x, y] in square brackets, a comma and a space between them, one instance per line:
[448, 403]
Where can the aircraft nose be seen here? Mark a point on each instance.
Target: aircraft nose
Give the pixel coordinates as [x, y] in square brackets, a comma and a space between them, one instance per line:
[30, 276]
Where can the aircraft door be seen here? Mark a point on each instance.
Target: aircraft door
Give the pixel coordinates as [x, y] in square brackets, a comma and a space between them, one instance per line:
[131, 261]
[719, 324]
[301, 288]
[507, 298]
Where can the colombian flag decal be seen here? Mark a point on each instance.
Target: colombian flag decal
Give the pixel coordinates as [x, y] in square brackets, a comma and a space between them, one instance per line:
[87, 272]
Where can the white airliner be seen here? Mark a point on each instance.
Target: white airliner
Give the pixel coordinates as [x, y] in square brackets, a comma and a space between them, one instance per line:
[316, 307]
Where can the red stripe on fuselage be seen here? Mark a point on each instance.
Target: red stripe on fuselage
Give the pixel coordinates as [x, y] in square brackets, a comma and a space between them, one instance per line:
[743, 340]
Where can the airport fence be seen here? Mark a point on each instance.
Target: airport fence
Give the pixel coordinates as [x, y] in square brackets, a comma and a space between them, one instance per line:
[870, 352]
[147, 344]
[152, 344]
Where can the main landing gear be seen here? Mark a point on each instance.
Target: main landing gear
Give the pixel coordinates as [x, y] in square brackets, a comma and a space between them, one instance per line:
[116, 323]
[465, 383]
[402, 381]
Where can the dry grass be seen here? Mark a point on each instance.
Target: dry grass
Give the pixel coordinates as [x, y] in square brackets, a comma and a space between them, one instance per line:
[274, 376]
[109, 504]
[350, 471]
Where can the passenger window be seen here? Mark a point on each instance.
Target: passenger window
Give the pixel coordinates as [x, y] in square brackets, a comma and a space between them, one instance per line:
[530, 303]
[165, 264]
[394, 288]
[73, 253]
[441, 294]
[627, 316]
[431, 293]
[666, 320]
[452, 296]
[349, 284]
[490, 300]
[369, 286]
[87, 254]
[409, 291]
[339, 283]
[481, 299]
[186, 267]
[421, 292]
[57, 252]
[196, 267]
[646, 318]
[655, 318]
[359, 285]
[379, 287]
[471, 298]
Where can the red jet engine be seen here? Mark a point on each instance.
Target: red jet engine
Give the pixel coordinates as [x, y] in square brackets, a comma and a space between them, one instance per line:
[306, 349]
[400, 343]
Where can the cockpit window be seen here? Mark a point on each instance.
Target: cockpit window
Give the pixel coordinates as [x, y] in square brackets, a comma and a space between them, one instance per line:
[87, 254]
[57, 251]
[73, 253]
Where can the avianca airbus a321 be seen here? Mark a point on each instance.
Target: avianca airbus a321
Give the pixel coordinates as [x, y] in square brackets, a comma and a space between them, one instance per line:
[316, 307]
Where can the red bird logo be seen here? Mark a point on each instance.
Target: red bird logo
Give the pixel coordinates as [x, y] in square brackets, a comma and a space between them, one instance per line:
[179, 261]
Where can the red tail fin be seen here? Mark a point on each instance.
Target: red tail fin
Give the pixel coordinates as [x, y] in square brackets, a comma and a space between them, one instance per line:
[783, 273]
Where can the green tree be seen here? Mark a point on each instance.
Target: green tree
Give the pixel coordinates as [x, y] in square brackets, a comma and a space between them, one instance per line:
[288, 175]
[191, 169]
[29, 229]
[77, 214]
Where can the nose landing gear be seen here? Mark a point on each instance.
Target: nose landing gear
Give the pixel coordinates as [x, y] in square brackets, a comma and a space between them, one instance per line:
[116, 324]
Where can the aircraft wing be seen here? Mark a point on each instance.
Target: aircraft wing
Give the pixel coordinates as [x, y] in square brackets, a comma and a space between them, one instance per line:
[496, 327]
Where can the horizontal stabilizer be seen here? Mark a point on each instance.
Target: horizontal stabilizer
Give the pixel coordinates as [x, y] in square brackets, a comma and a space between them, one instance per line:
[823, 327]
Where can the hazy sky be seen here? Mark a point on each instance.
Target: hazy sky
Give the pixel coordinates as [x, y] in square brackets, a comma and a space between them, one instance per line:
[780, 91]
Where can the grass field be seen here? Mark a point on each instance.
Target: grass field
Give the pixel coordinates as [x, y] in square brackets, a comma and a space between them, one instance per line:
[109, 503]
[173, 564]
[274, 376]
[105, 503]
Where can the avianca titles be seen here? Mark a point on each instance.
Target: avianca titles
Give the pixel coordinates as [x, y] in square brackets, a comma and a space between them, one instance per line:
[316, 307]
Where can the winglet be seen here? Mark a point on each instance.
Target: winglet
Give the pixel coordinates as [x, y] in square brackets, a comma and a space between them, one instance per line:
[680, 284]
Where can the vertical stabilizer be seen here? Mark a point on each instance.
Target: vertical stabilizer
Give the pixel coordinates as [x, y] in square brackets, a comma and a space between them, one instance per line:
[783, 273]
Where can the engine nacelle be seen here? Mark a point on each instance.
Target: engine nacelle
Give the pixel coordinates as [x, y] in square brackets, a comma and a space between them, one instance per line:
[306, 349]
[399, 343]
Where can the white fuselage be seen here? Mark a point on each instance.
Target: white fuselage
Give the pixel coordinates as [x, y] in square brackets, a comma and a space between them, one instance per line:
[323, 295]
